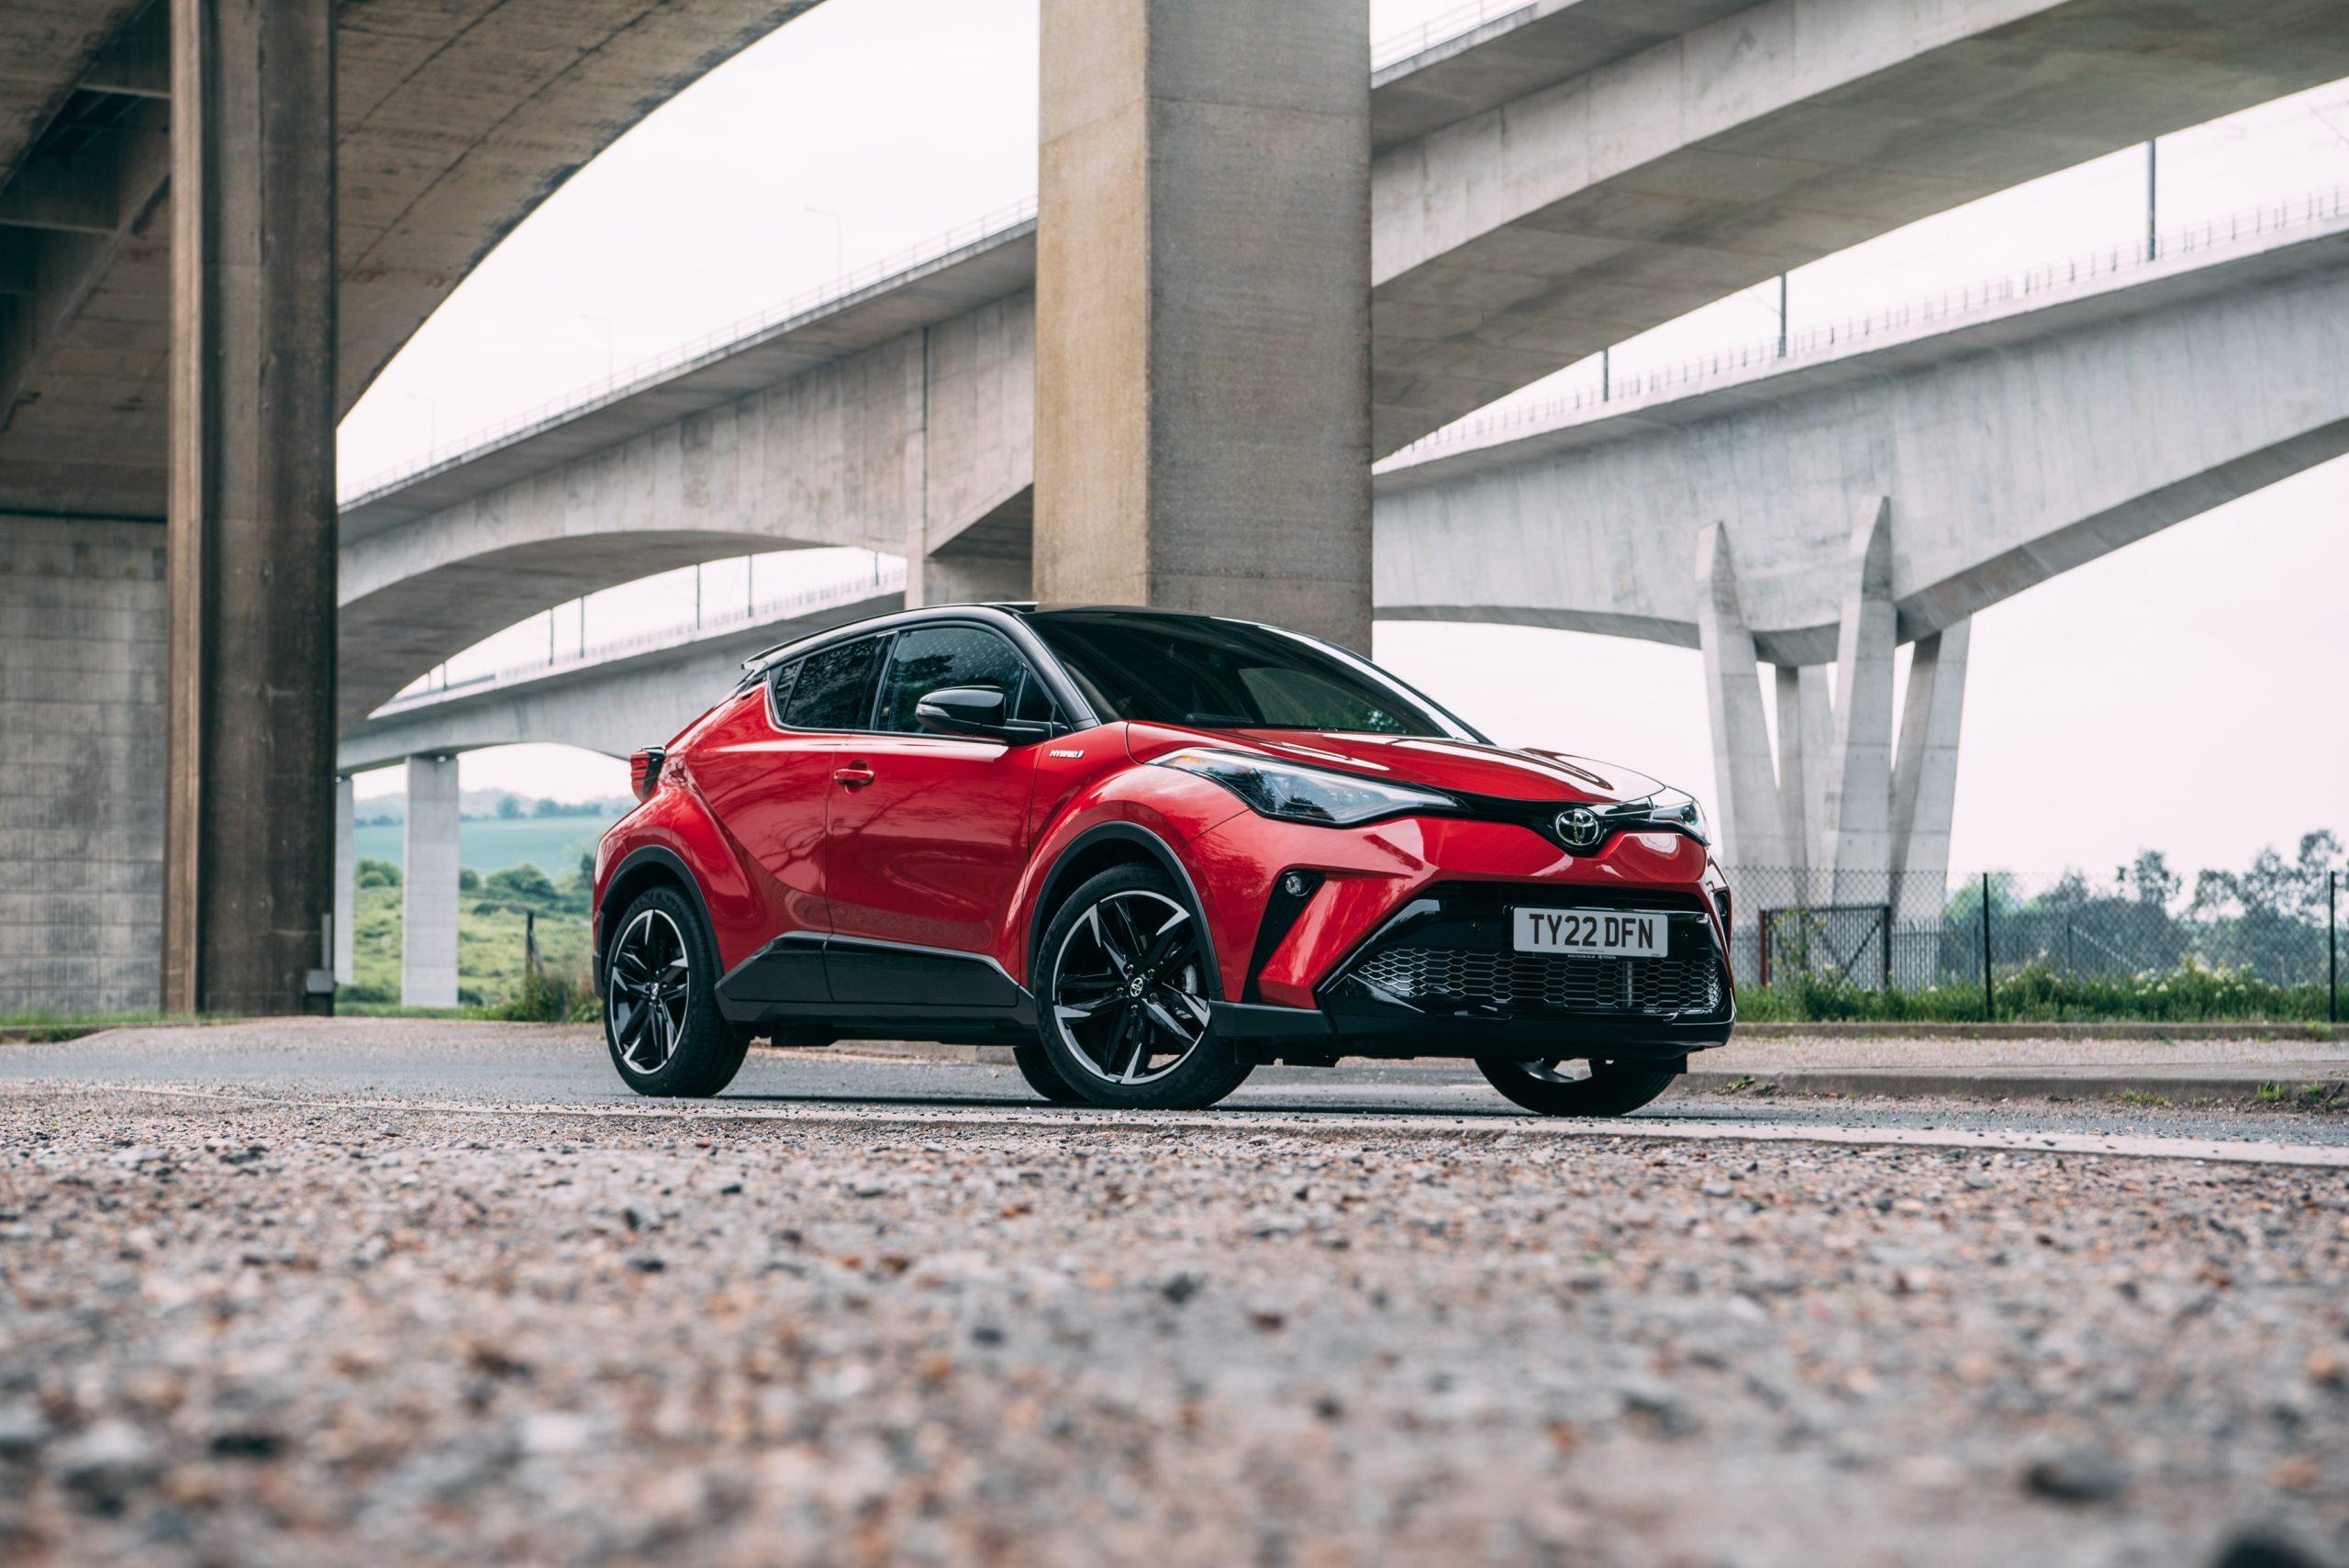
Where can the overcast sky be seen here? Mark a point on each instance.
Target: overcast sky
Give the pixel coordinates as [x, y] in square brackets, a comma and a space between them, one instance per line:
[2183, 693]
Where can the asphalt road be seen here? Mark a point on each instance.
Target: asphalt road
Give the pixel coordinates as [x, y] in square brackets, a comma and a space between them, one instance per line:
[432, 1062]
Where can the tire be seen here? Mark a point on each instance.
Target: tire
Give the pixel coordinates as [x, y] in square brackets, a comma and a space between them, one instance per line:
[671, 1041]
[1611, 1089]
[1036, 1065]
[1151, 1047]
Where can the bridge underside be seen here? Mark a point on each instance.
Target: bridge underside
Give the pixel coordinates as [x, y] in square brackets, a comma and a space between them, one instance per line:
[456, 118]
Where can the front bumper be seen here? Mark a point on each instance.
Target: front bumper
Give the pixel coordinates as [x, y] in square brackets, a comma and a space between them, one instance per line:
[1442, 977]
[1402, 944]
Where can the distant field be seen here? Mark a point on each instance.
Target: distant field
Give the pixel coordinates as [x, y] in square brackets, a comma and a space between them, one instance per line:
[550, 843]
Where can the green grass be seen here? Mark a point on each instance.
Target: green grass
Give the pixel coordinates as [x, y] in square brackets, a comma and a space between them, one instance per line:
[490, 970]
[551, 843]
[2038, 994]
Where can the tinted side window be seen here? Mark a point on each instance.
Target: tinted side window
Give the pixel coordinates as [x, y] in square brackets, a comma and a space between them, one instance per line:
[833, 688]
[930, 657]
[779, 684]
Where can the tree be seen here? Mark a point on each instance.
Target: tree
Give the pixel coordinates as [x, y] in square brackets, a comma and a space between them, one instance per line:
[371, 873]
[2149, 879]
[468, 880]
[509, 808]
[548, 808]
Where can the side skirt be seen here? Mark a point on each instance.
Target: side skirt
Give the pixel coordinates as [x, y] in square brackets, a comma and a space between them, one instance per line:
[858, 986]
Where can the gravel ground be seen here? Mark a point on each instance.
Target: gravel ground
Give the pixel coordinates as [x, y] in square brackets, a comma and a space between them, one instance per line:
[304, 1334]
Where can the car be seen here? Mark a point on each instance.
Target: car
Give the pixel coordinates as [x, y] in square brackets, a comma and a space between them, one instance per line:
[1149, 851]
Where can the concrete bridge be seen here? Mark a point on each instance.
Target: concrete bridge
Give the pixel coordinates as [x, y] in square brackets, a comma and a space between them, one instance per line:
[1882, 488]
[1883, 481]
[452, 119]
[1539, 191]
[1212, 179]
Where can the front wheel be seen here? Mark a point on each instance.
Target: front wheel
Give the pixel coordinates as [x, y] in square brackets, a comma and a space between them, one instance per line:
[1122, 990]
[1035, 1064]
[661, 1017]
[1560, 1087]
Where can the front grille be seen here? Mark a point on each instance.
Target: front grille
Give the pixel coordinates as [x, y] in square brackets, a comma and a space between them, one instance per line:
[1449, 979]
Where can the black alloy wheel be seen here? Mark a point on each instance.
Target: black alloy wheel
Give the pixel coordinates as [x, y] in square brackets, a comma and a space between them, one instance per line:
[1126, 1015]
[661, 1018]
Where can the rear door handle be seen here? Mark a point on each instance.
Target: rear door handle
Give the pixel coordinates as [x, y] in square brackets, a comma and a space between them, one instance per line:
[856, 775]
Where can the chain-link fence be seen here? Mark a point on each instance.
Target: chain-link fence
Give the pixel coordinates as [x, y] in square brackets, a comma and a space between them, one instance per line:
[2265, 944]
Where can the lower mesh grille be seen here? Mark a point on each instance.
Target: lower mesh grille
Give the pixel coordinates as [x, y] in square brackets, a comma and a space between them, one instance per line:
[1517, 982]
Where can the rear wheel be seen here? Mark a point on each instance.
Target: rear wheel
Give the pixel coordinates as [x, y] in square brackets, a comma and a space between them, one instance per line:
[1565, 1086]
[1123, 988]
[661, 1017]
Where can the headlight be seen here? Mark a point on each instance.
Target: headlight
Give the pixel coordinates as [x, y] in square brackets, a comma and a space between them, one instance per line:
[1296, 794]
[1677, 809]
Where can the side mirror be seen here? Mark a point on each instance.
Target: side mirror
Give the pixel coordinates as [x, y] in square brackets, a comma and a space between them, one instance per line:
[975, 711]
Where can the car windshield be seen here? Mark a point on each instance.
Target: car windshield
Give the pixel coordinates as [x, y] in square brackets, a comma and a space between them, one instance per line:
[1226, 674]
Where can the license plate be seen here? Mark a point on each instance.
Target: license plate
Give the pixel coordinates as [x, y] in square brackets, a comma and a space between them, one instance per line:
[1603, 933]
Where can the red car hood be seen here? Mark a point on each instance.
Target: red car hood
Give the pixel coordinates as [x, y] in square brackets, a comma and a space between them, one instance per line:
[1461, 765]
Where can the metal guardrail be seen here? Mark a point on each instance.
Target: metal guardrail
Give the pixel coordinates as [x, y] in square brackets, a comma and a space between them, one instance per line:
[717, 344]
[2248, 231]
[888, 576]
[1441, 28]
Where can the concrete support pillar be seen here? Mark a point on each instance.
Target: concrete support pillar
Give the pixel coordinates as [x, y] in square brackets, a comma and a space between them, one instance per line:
[1746, 808]
[1859, 785]
[1924, 776]
[346, 873]
[429, 885]
[967, 580]
[1793, 793]
[248, 808]
[1815, 718]
[1203, 287]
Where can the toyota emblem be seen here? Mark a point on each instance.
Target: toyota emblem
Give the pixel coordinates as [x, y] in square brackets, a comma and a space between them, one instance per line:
[1579, 826]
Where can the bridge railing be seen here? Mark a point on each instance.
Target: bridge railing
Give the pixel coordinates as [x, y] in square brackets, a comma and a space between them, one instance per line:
[2247, 231]
[716, 344]
[1442, 28]
[888, 576]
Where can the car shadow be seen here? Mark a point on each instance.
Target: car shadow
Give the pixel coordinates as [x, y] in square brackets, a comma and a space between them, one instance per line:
[989, 1102]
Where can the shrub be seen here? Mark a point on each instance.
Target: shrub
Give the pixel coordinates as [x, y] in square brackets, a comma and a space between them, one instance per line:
[2038, 993]
[524, 883]
[547, 996]
[377, 873]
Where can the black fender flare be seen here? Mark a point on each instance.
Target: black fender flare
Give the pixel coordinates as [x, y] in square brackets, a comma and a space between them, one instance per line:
[1056, 884]
[632, 868]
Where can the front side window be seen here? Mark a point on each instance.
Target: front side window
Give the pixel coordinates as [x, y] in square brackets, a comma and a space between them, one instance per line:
[833, 689]
[929, 658]
[1223, 674]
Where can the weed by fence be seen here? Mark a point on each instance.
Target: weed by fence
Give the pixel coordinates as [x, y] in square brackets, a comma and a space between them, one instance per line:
[2261, 945]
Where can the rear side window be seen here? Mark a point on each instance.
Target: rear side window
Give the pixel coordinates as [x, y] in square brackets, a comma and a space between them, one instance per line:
[833, 689]
[932, 657]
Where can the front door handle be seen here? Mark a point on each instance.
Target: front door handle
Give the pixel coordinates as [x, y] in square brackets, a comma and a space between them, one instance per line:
[856, 775]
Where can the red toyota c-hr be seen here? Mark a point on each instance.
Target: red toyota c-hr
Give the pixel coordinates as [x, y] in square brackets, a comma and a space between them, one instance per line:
[1149, 851]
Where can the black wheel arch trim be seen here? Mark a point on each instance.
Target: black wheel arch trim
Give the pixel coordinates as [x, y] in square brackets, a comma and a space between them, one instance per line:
[633, 865]
[1056, 887]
